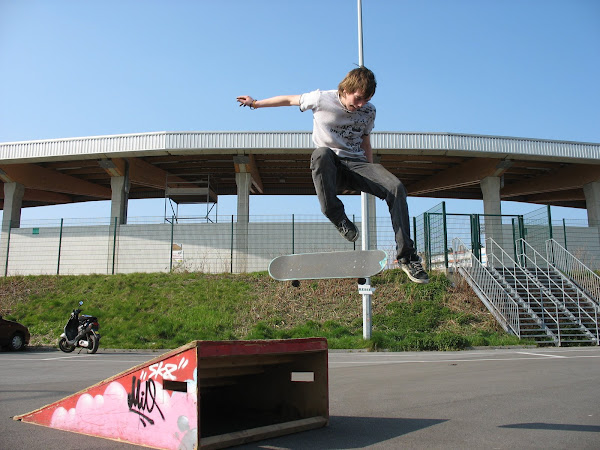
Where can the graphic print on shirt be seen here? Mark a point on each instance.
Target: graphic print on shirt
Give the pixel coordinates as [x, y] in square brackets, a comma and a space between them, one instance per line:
[334, 126]
[354, 128]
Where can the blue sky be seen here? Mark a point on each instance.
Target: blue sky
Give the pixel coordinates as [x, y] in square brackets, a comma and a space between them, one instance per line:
[524, 68]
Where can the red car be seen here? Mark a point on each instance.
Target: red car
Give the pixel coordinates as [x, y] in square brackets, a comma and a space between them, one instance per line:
[13, 335]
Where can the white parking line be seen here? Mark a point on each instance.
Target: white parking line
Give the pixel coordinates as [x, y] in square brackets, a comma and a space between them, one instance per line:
[519, 356]
[82, 358]
[65, 357]
[543, 354]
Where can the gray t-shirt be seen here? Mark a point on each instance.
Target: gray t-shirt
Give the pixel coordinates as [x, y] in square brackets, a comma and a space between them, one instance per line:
[334, 126]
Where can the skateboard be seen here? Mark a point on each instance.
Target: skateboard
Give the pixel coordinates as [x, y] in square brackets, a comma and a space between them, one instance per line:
[311, 266]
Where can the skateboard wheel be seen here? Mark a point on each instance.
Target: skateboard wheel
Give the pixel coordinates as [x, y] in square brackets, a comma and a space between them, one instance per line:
[362, 280]
[296, 283]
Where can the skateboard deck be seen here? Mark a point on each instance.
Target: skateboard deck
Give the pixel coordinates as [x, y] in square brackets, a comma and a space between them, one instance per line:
[311, 266]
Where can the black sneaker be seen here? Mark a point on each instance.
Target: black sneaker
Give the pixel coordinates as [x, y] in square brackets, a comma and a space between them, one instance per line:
[413, 268]
[348, 230]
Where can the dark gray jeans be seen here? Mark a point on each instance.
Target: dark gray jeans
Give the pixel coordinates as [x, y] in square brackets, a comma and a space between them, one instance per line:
[331, 173]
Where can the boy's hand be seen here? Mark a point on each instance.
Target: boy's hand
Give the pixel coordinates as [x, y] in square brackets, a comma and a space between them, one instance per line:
[245, 100]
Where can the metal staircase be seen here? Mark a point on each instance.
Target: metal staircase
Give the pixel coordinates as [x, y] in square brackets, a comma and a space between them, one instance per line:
[571, 267]
[530, 299]
[488, 287]
[532, 323]
[578, 312]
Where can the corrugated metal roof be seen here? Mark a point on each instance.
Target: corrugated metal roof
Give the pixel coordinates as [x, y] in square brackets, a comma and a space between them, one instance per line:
[157, 143]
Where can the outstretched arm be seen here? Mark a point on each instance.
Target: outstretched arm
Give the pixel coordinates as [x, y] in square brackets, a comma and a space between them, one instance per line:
[280, 100]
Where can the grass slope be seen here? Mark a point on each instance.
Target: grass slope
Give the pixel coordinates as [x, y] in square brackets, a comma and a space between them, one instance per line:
[168, 310]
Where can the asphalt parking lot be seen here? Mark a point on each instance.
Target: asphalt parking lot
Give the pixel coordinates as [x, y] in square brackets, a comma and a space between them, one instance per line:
[504, 398]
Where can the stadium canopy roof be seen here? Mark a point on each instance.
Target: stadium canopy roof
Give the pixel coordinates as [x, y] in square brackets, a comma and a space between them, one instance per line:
[441, 165]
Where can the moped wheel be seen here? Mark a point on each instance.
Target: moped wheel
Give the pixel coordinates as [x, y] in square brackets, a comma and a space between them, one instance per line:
[64, 346]
[93, 343]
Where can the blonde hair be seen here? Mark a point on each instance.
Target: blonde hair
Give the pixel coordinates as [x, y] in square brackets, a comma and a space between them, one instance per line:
[360, 80]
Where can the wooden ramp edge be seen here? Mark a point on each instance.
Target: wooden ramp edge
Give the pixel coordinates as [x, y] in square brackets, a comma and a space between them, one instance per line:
[206, 394]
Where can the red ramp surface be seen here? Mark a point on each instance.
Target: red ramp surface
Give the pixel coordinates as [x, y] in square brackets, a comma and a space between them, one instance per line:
[206, 394]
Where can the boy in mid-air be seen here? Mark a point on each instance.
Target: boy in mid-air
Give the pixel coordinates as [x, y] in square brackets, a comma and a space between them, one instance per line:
[342, 122]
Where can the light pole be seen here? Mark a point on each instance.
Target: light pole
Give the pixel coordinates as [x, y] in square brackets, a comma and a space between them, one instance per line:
[364, 198]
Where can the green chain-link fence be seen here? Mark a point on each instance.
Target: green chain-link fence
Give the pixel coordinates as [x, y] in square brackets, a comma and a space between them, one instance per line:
[233, 244]
[435, 229]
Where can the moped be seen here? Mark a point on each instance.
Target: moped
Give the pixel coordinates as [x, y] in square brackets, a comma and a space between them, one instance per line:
[80, 331]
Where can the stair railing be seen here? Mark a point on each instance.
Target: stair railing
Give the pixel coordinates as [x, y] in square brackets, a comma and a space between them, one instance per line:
[573, 268]
[501, 261]
[493, 295]
[539, 267]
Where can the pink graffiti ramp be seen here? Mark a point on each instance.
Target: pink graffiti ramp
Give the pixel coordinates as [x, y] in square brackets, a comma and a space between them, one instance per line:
[138, 406]
[206, 394]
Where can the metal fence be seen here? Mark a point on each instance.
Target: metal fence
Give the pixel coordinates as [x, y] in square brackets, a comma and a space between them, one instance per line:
[434, 230]
[237, 244]
[152, 244]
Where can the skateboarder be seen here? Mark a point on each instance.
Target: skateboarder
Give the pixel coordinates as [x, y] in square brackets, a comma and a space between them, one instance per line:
[342, 123]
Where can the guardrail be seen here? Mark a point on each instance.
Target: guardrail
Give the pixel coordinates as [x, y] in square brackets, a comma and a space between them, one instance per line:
[539, 267]
[508, 267]
[567, 263]
[502, 306]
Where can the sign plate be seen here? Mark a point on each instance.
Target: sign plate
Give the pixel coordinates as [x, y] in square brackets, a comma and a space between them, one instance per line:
[365, 289]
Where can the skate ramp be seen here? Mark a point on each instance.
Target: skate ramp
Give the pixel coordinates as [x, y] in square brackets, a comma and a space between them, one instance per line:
[206, 394]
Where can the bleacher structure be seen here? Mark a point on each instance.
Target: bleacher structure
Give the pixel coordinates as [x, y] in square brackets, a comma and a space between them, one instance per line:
[551, 299]
[520, 268]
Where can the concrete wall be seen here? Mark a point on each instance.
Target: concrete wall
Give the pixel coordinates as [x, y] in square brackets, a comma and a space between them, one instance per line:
[210, 247]
[204, 247]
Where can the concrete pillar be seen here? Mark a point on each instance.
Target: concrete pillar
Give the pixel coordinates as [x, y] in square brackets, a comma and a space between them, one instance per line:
[372, 207]
[11, 218]
[592, 202]
[13, 199]
[243, 181]
[119, 199]
[490, 188]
